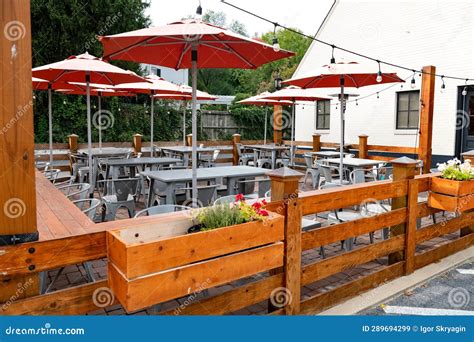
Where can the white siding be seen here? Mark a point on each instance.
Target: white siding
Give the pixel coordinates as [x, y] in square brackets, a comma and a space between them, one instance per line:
[410, 33]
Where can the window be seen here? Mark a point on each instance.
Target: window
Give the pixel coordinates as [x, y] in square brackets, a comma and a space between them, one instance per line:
[156, 71]
[408, 107]
[323, 114]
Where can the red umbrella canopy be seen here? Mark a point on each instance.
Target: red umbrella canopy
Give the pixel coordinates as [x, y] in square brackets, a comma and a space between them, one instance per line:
[39, 84]
[75, 69]
[260, 100]
[293, 93]
[355, 75]
[171, 46]
[104, 92]
[201, 95]
[153, 84]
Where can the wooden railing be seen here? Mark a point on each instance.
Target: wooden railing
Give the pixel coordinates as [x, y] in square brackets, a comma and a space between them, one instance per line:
[399, 250]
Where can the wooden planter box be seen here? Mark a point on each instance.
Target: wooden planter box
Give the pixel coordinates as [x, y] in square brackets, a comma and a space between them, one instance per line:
[451, 195]
[155, 263]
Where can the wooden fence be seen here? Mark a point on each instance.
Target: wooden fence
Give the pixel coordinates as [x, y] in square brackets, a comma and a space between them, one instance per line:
[400, 248]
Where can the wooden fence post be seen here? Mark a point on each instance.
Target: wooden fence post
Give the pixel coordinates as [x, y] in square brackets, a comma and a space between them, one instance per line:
[426, 116]
[72, 139]
[137, 143]
[189, 140]
[18, 178]
[410, 234]
[403, 170]
[284, 187]
[363, 151]
[235, 151]
[316, 142]
[277, 121]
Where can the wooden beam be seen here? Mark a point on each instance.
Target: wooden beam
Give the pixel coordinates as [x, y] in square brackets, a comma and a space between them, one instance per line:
[410, 234]
[235, 151]
[363, 151]
[137, 143]
[426, 116]
[277, 120]
[17, 178]
[316, 142]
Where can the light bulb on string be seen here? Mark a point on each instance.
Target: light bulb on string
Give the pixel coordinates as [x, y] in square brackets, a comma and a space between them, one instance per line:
[357, 103]
[34, 97]
[199, 11]
[379, 74]
[119, 109]
[333, 60]
[443, 86]
[464, 91]
[378, 95]
[276, 45]
[413, 82]
[64, 102]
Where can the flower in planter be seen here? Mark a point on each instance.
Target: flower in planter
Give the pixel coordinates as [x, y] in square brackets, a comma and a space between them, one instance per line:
[455, 170]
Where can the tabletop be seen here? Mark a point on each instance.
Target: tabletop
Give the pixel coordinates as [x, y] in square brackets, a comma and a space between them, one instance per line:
[141, 161]
[206, 173]
[326, 153]
[188, 149]
[106, 151]
[268, 147]
[355, 162]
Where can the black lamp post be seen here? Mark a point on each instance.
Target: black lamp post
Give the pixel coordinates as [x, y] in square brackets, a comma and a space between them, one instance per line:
[278, 82]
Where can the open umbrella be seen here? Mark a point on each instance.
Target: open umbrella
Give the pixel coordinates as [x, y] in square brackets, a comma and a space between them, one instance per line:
[99, 90]
[177, 45]
[89, 69]
[40, 84]
[293, 94]
[154, 85]
[341, 75]
[259, 100]
[186, 95]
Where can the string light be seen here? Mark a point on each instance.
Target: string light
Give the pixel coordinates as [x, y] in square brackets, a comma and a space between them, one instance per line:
[413, 82]
[333, 60]
[357, 103]
[379, 74]
[443, 86]
[341, 48]
[378, 95]
[276, 45]
[199, 11]
[464, 91]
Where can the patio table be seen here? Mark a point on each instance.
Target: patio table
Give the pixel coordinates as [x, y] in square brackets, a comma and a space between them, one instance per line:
[185, 151]
[138, 162]
[356, 164]
[327, 154]
[273, 149]
[172, 177]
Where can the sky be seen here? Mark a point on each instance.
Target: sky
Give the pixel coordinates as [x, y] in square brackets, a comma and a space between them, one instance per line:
[305, 15]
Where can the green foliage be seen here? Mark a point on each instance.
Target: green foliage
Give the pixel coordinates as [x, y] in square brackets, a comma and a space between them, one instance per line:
[455, 170]
[218, 216]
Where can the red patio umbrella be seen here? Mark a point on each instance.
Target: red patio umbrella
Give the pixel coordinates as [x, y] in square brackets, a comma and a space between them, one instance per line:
[186, 95]
[177, 45]
[89, 69]
[153, 85]
[341, 75]
[293, 94]
[259, 100]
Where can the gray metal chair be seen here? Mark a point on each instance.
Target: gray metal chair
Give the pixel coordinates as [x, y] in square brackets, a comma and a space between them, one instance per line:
[88, 206]
[247, 186]
[51, 174]
[312, 171]
[209, 160]
[206, 194]
[244, 158]
[330, 175]
[75, 191]
[161, 209]
[117, 193]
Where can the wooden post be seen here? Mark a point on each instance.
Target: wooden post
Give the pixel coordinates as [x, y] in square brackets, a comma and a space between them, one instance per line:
[277, 120]
[284, 187]
[189, 140]
[316, 142]
[137, 143]
[410, 235]
[403, 170]
[426, 116]
[235, 152]
[17, 181]
[73, 143]
[363, 151]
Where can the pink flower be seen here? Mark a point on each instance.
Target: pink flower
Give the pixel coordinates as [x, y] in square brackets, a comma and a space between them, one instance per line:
[257, 205]
[239, 198]
[263, 212]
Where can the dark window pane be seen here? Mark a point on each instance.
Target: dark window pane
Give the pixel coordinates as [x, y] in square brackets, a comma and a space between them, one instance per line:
[322, 114]
[408, 103]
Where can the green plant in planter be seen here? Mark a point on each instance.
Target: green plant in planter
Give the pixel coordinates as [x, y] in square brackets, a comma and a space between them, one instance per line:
[225, 215]
[455, 170]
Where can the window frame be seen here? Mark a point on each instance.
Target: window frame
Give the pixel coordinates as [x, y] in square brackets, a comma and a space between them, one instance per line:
[408, 111]
[326, 115]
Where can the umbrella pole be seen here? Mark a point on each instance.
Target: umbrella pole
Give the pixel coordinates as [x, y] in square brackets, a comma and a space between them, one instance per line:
[100, 121]
[194, 57]
[89, 135]
[341, 146]
[265, 133]
[50, 124]
[292, 132]
[152, 123]
[184, 123]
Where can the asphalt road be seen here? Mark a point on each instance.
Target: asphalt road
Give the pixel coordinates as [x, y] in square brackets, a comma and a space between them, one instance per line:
[452, 292]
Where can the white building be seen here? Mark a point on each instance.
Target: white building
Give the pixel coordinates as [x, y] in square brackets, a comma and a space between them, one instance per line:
[409, 33]
[174, 76]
